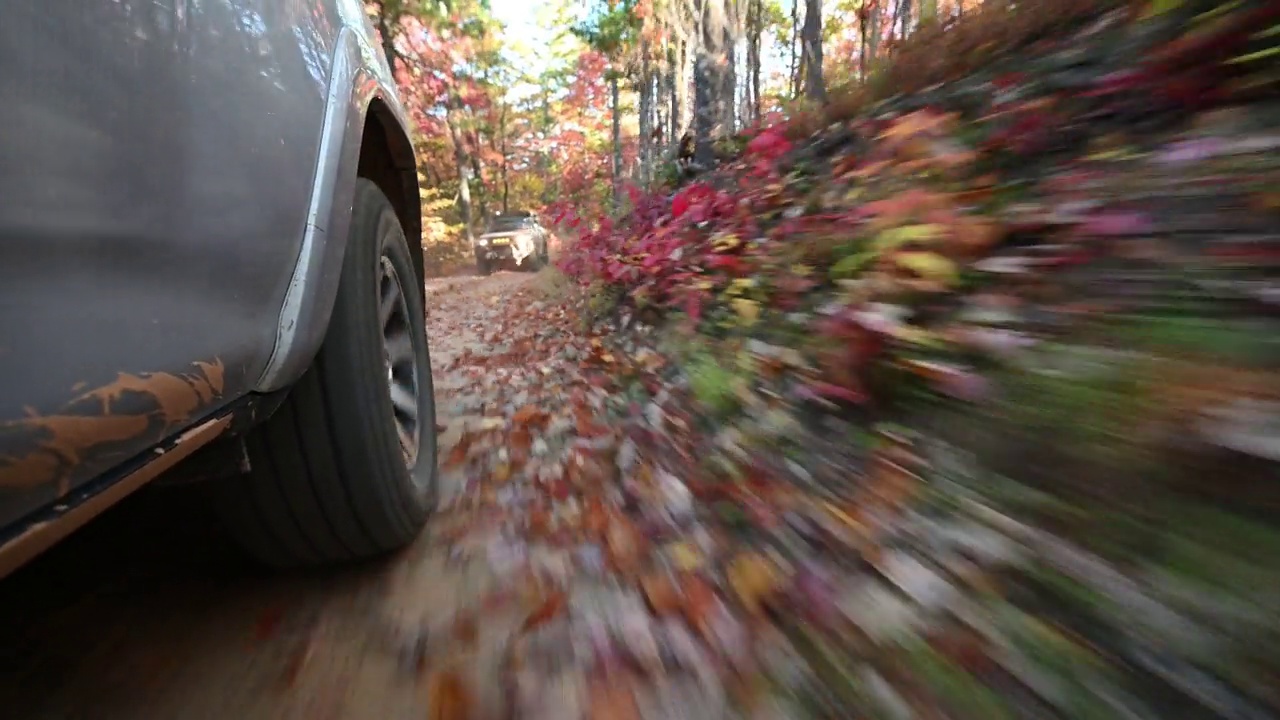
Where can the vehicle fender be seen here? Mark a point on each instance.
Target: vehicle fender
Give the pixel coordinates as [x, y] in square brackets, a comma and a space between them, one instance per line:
[360, 82]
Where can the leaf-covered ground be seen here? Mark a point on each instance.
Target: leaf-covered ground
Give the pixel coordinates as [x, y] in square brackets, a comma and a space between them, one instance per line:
[983, 411]
[961, 407]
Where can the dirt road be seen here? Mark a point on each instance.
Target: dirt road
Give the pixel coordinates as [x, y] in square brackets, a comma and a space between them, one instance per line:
[149, 614]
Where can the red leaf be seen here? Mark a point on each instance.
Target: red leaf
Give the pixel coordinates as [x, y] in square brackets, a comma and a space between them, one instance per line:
[829, 391]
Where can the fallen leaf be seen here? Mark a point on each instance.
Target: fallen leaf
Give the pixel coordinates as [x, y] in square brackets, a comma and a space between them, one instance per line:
[661, 592]
[449, 699]
[685, 556]
[552, 607]
[529, 415]
[623, 542]
[466, 629]
[501, 473]
[612, 700]
[458, 455]
[699, 601]
[755, 579]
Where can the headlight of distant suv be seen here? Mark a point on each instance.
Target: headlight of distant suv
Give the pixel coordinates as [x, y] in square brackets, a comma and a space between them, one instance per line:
[483, 242]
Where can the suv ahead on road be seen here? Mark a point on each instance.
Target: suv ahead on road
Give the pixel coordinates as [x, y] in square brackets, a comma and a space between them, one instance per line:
[514, 236]
[210, 255]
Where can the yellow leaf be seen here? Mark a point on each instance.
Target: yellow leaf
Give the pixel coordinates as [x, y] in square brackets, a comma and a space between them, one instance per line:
[685, 557]
[928, 265]
[911, 233]
[748, 310]
[502, 473]
[915, 336]
[723, 243]
[855, 526]
[754, 578]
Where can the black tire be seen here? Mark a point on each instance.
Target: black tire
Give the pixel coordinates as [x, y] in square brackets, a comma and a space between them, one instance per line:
[537, 260]
[329, 481]
[482, 266]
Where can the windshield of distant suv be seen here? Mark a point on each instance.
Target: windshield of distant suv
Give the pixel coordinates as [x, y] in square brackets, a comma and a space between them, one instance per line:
[510, 223]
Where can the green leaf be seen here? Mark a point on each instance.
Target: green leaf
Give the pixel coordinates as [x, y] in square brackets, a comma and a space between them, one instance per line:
[1159, 7]
[850, 265]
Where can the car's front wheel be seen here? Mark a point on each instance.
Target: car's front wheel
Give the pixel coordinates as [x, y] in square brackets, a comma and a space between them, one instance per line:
[346, 468]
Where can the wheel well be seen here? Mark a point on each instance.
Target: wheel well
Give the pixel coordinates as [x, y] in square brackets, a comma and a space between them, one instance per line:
[386, 159]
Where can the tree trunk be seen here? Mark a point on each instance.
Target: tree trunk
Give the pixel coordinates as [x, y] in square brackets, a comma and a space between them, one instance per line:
[544, 159]
[873, 38]
[864, 18]
[704, 114]
[794, 74]
[728, 83]
[680, 109]
[506, 185]
[460, 159]
[388, 40]
[814, 87]
[482, 195]
[646, 113]
[709, 72]
[755, 22]
[617, 141]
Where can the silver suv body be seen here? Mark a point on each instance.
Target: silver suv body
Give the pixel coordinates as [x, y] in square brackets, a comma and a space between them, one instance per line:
[200, 201]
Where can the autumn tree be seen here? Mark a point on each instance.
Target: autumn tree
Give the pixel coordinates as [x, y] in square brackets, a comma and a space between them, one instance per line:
[612, 31]
[811, 46]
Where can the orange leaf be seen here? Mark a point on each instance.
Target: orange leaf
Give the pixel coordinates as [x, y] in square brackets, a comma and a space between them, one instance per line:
[458, 454]
[449, 698]
[612, 701]
[520, 444]
[624, 542]
[661, 592]
[465, 629]
[596, 518]
[528, 415]
[699, 601]
[550, 609]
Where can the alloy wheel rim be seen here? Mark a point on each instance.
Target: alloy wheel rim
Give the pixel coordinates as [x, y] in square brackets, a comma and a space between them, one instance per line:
[400, 362]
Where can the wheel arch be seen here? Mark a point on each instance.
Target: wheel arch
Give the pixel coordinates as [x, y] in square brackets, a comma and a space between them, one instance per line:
[364, 135]
[387, 159]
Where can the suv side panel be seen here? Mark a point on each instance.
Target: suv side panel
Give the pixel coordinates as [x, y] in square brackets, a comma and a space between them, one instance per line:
[360, 85]
[156, 171]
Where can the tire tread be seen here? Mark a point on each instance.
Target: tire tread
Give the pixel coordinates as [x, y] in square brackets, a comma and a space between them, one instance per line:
[326, 486]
